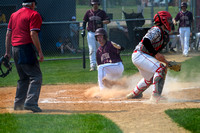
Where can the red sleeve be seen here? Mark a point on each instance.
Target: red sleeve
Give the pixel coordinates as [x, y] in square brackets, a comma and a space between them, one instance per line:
[36, 21]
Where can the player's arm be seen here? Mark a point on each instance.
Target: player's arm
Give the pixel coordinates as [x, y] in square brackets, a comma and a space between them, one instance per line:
[8, 43]
[150, 48]
[106, 21]
[36, 42]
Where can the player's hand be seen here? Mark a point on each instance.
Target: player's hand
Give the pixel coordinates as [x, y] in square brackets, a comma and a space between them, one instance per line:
[161, 58]
[83, 33]
[41, 57]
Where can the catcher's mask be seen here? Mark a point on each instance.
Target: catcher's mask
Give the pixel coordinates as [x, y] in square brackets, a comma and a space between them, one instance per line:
[4, 61]
[101, 31]
[163, 18]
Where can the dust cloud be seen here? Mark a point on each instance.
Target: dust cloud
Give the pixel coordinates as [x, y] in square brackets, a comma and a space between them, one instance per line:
[127, 84]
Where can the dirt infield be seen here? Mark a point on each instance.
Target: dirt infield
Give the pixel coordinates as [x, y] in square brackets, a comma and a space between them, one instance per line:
[130, 115]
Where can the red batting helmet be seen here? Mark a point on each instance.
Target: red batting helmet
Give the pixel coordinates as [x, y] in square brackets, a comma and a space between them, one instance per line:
[163, 18]
[101, 31]
[92, 2]
[184, 4]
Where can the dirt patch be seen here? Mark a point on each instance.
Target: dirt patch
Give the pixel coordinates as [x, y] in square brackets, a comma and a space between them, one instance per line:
[130, 115]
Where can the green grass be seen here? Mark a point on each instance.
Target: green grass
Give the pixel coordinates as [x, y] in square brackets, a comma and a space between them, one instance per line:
[71, 71]
[187, 118]
[66, 72]
[40, 123]
[189, 70]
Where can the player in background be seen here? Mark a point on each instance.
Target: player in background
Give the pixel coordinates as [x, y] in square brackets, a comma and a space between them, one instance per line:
[185, 19]
[108, 58]
[148, 59]
[95, 18]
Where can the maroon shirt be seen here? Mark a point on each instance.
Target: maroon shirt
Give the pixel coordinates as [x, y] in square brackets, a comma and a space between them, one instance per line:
[108, 54]
[185, 18]
[93, 17]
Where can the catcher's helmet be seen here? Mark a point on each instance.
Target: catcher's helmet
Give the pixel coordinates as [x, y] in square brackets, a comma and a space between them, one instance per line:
[101, 31]
[163, 18]
[92, 2]
[6, 64]
[184, 4]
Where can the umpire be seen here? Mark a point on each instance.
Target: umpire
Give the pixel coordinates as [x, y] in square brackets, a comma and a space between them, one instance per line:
[22, 33]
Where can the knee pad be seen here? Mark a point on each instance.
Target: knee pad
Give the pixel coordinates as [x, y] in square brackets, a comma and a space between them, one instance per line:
[159, 79]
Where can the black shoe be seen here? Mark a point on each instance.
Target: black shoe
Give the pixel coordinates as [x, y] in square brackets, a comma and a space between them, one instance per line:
[33, 108]
[132, 96]
[139, 96]
[18, 107]
[172, 50]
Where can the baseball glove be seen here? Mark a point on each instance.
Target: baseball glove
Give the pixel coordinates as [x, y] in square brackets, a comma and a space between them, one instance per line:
[4, 61]
[173, 65]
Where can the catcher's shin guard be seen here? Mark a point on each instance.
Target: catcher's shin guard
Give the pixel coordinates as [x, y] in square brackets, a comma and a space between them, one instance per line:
[159, 80]
[141, 86]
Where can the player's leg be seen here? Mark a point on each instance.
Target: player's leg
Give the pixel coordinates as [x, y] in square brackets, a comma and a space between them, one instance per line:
[109, 70]
[181, 31]
[92, 49]
[159, 80]
[186, 40]
[147, 66]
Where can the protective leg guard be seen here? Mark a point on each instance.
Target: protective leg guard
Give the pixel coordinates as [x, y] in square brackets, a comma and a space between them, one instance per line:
[159, 80]
[141, 87]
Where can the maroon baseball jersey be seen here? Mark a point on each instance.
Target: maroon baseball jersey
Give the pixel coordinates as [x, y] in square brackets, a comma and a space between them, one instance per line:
[94, 18]
[185, 18]
[108, 54]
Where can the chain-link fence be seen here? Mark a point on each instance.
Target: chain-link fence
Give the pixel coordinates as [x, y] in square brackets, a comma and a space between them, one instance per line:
[130, 20]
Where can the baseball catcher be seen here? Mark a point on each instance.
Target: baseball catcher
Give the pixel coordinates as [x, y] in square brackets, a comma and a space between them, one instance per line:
[148, 59]
[4, 61]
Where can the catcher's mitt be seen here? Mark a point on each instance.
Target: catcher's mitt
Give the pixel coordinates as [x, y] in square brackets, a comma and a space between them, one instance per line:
[173, 65]
[4, 61]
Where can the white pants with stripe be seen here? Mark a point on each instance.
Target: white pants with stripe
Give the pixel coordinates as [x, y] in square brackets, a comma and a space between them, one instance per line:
[110, 71]
[185, 38]
[93, 46]
[150, 68]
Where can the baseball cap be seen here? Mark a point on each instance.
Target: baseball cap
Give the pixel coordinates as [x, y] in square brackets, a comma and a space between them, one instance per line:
[73, 17]
[27, 1]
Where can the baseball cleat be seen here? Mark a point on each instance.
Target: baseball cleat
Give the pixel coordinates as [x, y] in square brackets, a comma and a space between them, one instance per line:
[18, 107]
[158, 99]
[92, 69]
[33, 108]
[133, 96]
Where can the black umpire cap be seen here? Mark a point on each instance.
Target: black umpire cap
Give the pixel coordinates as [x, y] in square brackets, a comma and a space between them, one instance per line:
[27, 1]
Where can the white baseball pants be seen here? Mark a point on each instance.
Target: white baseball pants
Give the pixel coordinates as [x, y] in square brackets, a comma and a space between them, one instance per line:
[185, 38]
[110, 71]
[93, 46]
[151, 70]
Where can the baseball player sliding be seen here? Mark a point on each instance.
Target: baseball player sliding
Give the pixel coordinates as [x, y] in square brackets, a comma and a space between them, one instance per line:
[108, 58]
[147, 57]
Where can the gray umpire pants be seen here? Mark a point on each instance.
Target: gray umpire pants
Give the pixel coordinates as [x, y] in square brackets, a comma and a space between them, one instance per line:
[29, 83]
